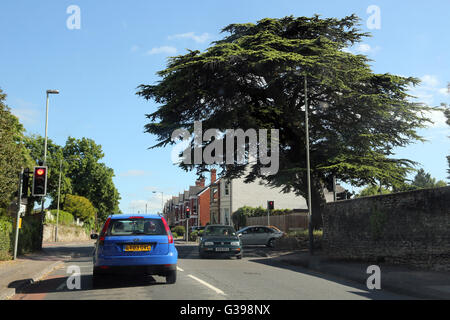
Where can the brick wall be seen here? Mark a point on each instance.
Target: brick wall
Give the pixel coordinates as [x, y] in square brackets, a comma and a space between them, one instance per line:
[403, 228]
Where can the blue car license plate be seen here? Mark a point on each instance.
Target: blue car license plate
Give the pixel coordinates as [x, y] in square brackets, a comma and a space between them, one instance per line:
[138, 247]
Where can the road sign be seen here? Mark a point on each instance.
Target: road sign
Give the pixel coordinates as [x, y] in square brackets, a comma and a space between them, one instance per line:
[22, 210]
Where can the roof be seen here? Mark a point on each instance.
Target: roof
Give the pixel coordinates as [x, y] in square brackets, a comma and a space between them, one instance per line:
[128, 216]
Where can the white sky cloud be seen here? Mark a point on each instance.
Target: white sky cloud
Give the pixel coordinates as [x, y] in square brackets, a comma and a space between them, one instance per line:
[431, 92]
[191, 35]
[162, 50]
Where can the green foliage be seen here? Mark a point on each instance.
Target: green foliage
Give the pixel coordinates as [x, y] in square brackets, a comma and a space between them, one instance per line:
[64, 217]
[193, 236]
[175, 235]
[372, 190]
[29, 235]
[254, 78]
[179, 230]
[6, 241]
[423, 180]
[79, 207]
[90, 178]
[13, 154]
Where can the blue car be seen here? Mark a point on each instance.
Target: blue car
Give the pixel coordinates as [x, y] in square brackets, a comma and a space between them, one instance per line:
[135, 244]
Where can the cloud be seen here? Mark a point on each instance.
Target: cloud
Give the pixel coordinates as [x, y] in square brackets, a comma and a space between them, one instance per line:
[25, 111]
[431, 93]
[153, 204]
[162, 50]
[362, 48]
[191, 35]
[133, 173]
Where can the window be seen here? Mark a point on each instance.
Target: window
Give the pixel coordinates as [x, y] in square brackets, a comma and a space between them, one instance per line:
[219, 231]
[127, 227]
[227, 188]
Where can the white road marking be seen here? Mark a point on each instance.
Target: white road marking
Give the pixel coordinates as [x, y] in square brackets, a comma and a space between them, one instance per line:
[207, 285]
[179, 269]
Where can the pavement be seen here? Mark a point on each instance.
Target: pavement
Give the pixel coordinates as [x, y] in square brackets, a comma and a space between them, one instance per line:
[30, 268]
[27, 270]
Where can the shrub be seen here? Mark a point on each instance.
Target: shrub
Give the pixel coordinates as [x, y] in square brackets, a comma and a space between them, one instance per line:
[193, 236]
[174, 235]
[179, 230]
[64, 217]
[6, 243]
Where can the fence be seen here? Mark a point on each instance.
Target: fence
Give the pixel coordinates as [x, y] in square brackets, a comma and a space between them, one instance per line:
[283, 222]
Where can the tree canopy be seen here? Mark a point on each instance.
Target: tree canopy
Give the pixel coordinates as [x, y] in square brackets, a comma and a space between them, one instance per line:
[254, 78]
[13, 154]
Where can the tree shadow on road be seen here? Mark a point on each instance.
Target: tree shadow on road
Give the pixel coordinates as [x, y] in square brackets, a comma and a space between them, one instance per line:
[360, 287]
[60, 284]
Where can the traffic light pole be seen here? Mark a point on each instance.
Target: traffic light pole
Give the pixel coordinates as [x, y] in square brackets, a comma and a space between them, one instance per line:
[19, 198]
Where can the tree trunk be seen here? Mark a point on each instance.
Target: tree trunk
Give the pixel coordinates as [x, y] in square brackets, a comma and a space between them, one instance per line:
[317, 199]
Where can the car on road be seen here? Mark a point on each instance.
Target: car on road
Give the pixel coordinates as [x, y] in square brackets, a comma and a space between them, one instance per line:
[220, 240]
[259, 235]
[135, 244]
[196, 228]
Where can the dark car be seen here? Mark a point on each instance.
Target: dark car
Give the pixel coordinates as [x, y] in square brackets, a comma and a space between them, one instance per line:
[133, 244]
[220, 240]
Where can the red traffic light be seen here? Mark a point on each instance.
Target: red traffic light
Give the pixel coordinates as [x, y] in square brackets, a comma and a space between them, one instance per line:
[187, 209]
[40, 172]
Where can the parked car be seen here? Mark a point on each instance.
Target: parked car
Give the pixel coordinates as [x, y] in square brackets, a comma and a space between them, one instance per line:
[196, 228]
[259, 235]
[220, 240]
[133, 244]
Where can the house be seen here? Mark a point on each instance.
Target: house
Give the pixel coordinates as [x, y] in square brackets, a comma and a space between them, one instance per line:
[216, 202]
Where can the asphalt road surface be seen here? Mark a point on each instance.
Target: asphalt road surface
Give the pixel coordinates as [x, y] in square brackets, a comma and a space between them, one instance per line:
[255, 277]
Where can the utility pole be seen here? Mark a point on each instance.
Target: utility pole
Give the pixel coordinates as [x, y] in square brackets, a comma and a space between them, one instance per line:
[57, 206]
[308, 173]
[19, 202]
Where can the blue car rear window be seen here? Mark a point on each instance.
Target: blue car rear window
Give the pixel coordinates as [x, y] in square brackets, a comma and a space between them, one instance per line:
[127, 227]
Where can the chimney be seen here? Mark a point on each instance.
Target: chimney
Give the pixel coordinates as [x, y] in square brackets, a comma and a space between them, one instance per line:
[200, 182]
[213, 175]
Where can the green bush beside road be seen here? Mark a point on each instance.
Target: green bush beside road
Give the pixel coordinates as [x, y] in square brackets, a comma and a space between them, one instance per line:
[179, 230]
[6, 241]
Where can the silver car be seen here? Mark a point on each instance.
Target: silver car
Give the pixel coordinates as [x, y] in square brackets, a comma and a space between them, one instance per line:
[262, 235]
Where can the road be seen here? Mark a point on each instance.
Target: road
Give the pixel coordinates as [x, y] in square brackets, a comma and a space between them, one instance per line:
[253, 277]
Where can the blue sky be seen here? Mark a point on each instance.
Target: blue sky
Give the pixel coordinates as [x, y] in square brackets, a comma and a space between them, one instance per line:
[123, 44]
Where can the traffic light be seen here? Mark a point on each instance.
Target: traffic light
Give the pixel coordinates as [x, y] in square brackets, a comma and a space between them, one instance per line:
[188, 212]
[25, 183]
[270, 205]
[39, 181]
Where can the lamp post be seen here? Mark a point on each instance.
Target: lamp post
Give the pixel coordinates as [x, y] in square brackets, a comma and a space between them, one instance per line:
[49, 92]
[308, 174]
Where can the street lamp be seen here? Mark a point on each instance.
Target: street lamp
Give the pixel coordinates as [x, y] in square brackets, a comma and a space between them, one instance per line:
[308, 173]
[49, 92]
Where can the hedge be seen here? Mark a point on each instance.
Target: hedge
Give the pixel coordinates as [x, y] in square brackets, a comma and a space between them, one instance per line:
[64, 217]
[6, 240]
[29, 236]
[179, 230]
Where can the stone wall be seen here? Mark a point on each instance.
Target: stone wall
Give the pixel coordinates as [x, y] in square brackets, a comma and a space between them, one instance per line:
[65, 233]
[410, 228]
